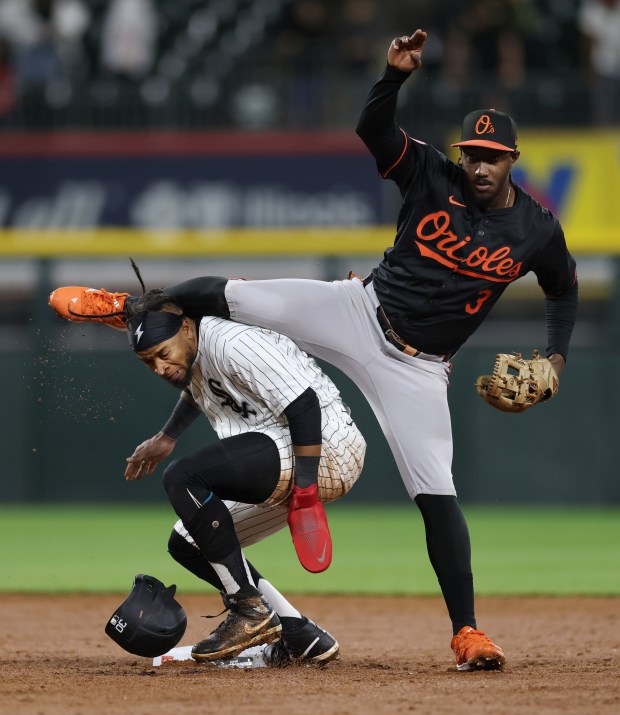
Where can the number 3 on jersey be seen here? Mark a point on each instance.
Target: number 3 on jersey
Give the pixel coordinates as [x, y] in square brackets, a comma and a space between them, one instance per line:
[483, 296]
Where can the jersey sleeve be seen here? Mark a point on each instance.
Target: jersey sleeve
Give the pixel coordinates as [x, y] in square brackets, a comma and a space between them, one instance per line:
[555, 268]
[270, 366]
[377, 126]
[398, 156]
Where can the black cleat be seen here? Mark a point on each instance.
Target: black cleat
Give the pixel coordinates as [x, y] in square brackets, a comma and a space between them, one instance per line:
[251, 622]
[307, 644]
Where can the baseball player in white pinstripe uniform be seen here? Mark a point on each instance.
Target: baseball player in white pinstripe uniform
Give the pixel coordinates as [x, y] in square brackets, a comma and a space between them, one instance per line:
[286, 444]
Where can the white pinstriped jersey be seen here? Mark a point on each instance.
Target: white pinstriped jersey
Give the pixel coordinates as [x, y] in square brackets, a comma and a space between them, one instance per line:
[244, 377]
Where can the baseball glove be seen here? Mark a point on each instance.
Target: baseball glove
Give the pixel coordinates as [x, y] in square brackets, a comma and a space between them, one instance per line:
[517, 384]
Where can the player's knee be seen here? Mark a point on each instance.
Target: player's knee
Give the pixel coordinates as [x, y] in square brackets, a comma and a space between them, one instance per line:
[175, 478]
[179, 548]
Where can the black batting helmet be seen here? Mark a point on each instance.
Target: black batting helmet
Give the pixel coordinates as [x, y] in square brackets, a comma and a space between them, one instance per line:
[149, 622]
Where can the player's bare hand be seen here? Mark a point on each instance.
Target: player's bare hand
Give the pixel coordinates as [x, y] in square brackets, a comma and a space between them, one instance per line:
[405, 53]
[148, 455]
[558, 362]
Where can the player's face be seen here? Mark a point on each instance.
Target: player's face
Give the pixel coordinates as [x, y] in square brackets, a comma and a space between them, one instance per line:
[487, 172]
[172, 360]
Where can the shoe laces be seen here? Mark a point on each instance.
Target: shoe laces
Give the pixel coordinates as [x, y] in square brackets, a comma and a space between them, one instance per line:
[221, 627]
[216, 615]
[478, 636]
[475, 638]
[94, 301]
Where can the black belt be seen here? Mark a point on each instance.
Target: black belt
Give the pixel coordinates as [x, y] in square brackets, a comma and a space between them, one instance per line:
[391, 335]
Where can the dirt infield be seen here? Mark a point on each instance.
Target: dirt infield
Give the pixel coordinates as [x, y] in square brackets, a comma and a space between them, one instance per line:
[563, 656]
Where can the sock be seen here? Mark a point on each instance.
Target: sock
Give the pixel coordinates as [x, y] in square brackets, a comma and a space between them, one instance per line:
[277, 601]
[213, 530]
[234, 574]
[449, 550]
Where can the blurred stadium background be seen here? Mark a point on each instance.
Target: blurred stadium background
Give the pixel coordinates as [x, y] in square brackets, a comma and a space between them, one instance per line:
[217, 136]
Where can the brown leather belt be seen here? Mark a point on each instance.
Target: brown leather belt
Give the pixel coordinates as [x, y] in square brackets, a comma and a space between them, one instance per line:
[391, 335]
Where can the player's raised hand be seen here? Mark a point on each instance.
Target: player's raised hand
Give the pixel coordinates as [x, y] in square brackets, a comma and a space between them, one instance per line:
[405, 53]
[148, 455]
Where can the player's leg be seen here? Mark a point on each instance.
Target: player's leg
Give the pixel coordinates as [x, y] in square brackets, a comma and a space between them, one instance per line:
[449, 550]
[190, 483]
[198, 296]
[317, 312]
[302, 639]
[244, 467]
[320, 315]
[409, 398]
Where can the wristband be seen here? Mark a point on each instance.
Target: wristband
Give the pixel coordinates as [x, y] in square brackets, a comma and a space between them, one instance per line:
[306, 471]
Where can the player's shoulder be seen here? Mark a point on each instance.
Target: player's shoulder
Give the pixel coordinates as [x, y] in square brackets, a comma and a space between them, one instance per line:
[528, 203]
[534, 210]
[429, 150]
[230, 333]
[433, 161]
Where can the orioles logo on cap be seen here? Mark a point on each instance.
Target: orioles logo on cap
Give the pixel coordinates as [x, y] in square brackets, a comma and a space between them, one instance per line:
[484, 125]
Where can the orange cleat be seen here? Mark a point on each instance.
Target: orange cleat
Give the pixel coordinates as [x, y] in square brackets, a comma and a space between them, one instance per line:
[307, 522]
[476, 651]
[81, 304]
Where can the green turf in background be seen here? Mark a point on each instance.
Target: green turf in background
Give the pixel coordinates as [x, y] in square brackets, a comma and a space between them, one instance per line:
[516, 550]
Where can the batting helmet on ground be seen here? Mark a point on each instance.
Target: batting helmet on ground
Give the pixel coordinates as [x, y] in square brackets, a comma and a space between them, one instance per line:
[149, 622]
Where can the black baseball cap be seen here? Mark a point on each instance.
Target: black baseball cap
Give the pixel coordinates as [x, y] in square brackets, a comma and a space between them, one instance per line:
[489, 128]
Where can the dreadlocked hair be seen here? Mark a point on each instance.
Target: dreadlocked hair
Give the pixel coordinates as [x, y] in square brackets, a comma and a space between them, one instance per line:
[151, 300]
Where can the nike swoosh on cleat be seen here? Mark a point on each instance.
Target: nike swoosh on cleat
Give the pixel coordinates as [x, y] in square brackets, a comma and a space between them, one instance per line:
[251, 630]
[321, 558]
[453, 201]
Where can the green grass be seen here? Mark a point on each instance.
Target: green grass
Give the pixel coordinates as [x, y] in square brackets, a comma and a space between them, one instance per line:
[377, 550]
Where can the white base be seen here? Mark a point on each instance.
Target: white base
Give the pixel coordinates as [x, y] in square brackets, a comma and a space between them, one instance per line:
[250, 658]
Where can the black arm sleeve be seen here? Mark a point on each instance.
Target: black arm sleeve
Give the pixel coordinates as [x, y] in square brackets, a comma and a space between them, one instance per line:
[201, 296]
[377, 126]
[182, 416]
[560, 316]
[304, 419]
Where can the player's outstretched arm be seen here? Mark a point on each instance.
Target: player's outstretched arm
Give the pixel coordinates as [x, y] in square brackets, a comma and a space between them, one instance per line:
[148, 455]
[377, 126]
[405, 53]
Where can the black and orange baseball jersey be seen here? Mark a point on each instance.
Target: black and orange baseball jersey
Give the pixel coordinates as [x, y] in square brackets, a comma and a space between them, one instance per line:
[451, 260]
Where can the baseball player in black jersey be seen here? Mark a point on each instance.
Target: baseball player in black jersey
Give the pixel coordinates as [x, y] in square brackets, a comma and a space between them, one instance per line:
[465, 232]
